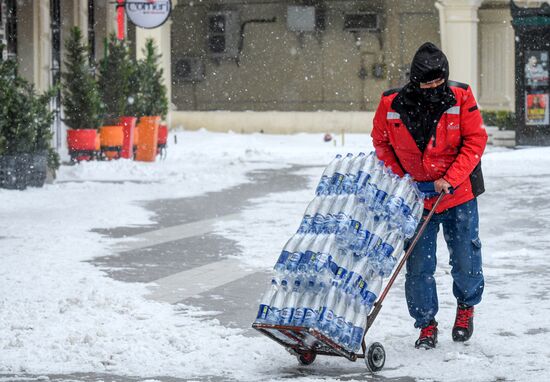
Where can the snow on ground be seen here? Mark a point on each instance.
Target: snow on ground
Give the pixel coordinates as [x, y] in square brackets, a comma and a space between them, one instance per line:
[60, 314]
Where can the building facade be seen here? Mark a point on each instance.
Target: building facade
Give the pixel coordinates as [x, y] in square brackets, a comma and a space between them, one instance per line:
[281, 65]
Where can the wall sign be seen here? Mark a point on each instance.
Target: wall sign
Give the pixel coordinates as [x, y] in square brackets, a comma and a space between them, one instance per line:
[148, 13]
[536, 88]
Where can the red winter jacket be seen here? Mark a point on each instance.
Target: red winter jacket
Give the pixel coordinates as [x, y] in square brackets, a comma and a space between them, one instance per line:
[459, 143]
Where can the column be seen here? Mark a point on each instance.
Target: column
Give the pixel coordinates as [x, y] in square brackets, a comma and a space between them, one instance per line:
[459, 23]
[42, 45]
[80, 17]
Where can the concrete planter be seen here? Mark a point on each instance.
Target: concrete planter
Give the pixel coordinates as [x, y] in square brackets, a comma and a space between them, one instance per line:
[504, 138]
[17, 172]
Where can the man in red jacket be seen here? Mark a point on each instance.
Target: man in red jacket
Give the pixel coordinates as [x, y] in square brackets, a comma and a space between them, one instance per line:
[432, 129]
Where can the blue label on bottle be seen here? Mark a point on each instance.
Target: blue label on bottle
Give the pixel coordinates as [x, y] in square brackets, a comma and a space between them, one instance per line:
[350, 275]
[405, 209]
[318, 223]
[298, 317]
[283, 257]
[341, 273]
[326, 316]
[368, 297]
[380, 196]
[359, 175]
[305, 225]
[340, 323]
[346, 333]
[356, 337]
[321, 261]
[286, 315]
[337, 178]
[330, 226]
[294, 260]
[385, 250]
[333, 267]
[263, 311]
[355, 226]
[358, 281]
[273, 315]
[323, 185]
[361, 285]
[310, 317]
[372, 242]
[305, 259]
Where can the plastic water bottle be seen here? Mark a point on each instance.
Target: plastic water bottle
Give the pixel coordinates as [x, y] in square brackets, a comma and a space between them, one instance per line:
[369, 295]
[375, 238]
[365, 173]
[349, 316]
[311, 210]
[347, 236]
[320, 218]
[331, 223]
[339, 175]
[357, 274]
[287, 252]
[324, 184]
[265, 302]
[310, 249]
[298, 257]
[337, 326]
[359, 323]
[277, 304]
[389, 252]
[384, 188]
[326, 312]
[344, 268]
[413, 218]
[372, 290]
[321, 265]
[290, 304]
[304, 305]
[344, 217]
[311, 316]
[349, 185]
[402, 188]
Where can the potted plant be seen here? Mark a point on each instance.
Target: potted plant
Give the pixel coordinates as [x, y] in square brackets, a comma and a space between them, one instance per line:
[151, 102]
[25, 131]
[117, 88]
[81, 100]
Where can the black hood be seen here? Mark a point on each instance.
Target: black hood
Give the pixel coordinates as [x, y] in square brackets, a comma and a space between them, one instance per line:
[429, 63]
[421, 109]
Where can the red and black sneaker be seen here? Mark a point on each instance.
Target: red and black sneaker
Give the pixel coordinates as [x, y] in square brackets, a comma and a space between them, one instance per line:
[464, 323]
[428, 336]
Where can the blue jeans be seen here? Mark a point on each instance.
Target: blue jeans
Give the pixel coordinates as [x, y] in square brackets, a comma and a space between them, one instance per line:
[460, 229]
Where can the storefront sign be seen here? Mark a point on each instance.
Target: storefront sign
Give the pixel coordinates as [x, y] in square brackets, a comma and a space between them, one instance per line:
[148, 13]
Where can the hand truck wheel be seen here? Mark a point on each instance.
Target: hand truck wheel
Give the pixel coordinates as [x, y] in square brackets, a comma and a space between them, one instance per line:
[375, 357]
[306, 358]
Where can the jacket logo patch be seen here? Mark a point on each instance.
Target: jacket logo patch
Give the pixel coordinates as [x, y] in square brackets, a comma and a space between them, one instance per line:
[452, 126]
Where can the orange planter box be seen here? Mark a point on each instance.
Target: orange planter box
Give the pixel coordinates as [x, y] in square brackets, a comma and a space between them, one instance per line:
[112, 138]
[148, 138]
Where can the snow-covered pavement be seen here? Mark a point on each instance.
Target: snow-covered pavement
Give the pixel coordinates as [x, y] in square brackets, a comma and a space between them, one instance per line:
[91, 264]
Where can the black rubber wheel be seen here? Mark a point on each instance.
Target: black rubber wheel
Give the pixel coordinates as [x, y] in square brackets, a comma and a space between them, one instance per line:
[306, 358]
[375, 358]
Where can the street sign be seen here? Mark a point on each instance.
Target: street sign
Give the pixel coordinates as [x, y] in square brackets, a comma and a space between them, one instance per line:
[148, 14]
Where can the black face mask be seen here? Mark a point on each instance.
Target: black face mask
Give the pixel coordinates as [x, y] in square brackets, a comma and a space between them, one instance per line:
[432, 95]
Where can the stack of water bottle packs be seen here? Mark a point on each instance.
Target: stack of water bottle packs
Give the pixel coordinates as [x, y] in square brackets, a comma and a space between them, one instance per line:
[330, 272]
